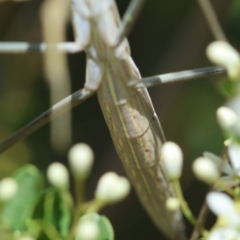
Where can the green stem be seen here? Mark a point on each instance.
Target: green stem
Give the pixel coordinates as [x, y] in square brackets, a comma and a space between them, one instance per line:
[184, 206]
[95, 206]
[223, 186]
[79, 188]
[50, 230]
[1, 207]
[67, 198]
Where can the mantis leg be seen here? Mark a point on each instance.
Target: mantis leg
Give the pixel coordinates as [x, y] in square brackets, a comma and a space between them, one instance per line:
[129, 18]
[23, 47]
[56, 110]
[128, 22]
[178, 76]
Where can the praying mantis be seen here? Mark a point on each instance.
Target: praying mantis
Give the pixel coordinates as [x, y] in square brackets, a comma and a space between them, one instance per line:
[128, 111]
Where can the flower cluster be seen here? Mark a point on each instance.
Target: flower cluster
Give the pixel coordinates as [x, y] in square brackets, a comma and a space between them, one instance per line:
[110, 189]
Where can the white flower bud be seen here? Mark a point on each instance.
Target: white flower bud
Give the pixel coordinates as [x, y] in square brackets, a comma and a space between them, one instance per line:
[111, 188]
[172, 159]
[87, 230]
[8, 189]
[205, 170]
[226, 117]
[80, 159]
[57, 175]
[172, 204]
[223, 54]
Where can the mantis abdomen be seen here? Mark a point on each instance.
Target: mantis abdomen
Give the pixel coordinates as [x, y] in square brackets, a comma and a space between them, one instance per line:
[130, 117]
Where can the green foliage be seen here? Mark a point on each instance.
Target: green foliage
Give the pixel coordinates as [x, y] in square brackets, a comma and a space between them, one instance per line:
[16, 211]
[234, 11]
[228, 88]
[45, 214]
[52, 210]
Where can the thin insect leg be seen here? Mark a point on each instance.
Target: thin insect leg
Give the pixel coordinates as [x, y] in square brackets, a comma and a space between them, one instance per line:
[178, 76]
[24, 47]
[129, 18]
[56, 110]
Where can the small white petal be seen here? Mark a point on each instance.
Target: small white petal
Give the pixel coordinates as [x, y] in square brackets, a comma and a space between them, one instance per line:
[226, 117]
[224, 234]
[224, 165]
[216, 234]
[223, 54]
[220, 204]
[80, 159]
[57, 175]
[234, 154]
[172, 159]
[223, 207]
[87, 230]
[8, 189]
[234, 104]
[206, 170]
[111, 188]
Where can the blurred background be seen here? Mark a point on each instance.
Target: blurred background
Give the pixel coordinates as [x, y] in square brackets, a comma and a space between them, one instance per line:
[169, 36]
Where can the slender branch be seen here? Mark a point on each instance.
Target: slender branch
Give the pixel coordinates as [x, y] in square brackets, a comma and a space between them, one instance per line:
[212, 20]
[200, 221]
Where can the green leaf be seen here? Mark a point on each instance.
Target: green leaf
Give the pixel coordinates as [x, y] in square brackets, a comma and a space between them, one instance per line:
[19, 209]
[38, 212]
[228, 88]
[106, 229]
[52, 210]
